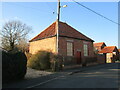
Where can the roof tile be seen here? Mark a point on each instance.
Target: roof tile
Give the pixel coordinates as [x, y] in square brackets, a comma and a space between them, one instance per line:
[108, 49]
[64, 30]
[98, 44]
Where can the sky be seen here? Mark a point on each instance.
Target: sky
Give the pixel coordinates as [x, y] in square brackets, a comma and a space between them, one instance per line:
[40, 15]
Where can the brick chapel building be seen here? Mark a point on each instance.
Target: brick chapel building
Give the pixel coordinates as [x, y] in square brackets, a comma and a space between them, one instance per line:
[71, 43]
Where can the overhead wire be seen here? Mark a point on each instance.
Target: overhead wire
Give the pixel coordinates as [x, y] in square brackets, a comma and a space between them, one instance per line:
[76, 3]
[96, 12]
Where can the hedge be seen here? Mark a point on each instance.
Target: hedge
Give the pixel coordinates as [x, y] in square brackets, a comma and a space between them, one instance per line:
[40, 60]
[13, 66]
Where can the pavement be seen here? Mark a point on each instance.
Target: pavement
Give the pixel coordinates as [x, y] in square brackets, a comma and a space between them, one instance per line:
[29, 83]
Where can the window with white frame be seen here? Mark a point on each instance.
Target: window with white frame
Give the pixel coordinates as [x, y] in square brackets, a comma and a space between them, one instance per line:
[69, 49]
[85, 50]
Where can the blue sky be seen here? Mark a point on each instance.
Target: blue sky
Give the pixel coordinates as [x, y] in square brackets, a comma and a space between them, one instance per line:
[40, 15]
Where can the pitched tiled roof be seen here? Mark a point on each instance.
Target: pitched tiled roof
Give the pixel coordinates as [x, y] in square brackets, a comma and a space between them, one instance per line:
[50, 31]
[98, 44]
[64, 30]
[119, 50]
[108, 49]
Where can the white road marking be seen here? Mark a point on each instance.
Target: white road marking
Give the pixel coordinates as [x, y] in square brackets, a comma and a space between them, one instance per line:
[43, 82]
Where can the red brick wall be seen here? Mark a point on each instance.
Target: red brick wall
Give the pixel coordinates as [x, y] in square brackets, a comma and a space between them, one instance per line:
[77, 46]
[62, 46]
[101, 58]
[91, 49]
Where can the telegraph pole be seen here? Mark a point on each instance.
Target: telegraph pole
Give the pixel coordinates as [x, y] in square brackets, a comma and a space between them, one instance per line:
[58, 18]
[57, 27]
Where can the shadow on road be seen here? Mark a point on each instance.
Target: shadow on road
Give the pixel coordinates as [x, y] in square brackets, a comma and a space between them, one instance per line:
[90, 73]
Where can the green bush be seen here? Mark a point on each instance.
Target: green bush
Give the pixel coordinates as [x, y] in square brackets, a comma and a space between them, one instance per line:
[40, 61]
[13, 66]
[56, 62]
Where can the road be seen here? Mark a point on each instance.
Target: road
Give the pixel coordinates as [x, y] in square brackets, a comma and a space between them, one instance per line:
[99, 77]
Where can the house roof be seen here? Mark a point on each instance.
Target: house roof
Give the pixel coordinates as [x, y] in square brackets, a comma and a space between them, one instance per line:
[119, 50]
[50, 31]
[108, 49]
[65, 30]
[98, 44]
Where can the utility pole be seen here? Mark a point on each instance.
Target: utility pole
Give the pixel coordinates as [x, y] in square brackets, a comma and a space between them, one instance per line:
[57, 27]
[58, 18]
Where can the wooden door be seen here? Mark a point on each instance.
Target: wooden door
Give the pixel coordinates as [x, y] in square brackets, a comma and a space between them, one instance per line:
[78, 57]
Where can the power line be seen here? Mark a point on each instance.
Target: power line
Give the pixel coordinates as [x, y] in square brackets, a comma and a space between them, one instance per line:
[96, 12]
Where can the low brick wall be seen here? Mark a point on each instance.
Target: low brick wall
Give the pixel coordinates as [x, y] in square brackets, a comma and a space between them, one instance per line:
[101, 58]
[90, 59]
[69, 60]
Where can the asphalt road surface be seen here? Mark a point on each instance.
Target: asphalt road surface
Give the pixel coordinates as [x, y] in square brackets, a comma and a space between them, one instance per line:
[97, 77]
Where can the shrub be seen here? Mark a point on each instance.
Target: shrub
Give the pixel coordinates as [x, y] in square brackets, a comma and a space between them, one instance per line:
[7, 67]
[40, 61]
[56, 62]
[20, 61]
[28, 55]
[13, 66]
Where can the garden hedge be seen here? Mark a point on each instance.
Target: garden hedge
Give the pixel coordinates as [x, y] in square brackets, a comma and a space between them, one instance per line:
[40, 60]
[13, 66]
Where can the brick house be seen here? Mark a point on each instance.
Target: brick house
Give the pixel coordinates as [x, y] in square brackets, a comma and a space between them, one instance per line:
[111, 53]
[73, 46]
[101, 58]
[99, 46]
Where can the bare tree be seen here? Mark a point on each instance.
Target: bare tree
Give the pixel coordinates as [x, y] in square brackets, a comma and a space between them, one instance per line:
[12, 33]
[23, 45]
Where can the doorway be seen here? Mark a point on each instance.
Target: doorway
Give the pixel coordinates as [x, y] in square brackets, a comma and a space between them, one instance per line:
[78, 57]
